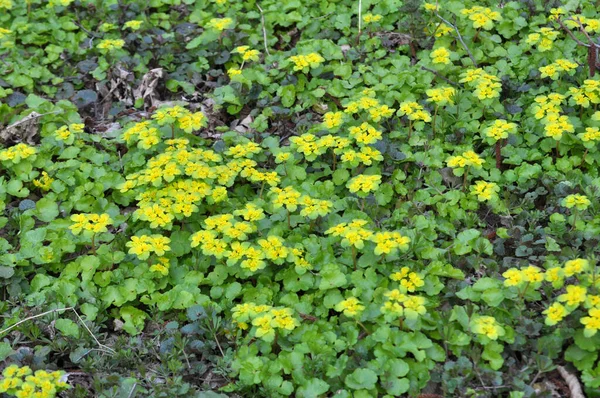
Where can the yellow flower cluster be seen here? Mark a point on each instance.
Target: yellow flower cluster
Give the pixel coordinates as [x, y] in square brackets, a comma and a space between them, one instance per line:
[559, 66]
[7, 4]
[440, 55]
[487, 326]
[246, 53]
[288, 197]
[245, 150]
[312, 147]
[220, 24]
[371, 18]
[351, 307]
[574, 296]
[264, 318]
[543, 39]
[365, 134]
[44, 182]
[431, 7]
[591, 134]
[547, 105]
[146, 136]
[555, 313]
[485, 190]
[486, 85]
[443, 30]
[17, 153]
[388, 242]
[414, 111]
[67, 133]
[591, 322]
[110, 44]
[366, 102]
[468, 158]
[305, 62]
[4, 32]
[377, 113]
[353, 233]
[556, 126]
[441, 96]
[314, 208]
[144, 245]
[366, 156]
[556, 13]
[364, 184]
[133, 25]
[585, 95]
[409, 281]
[580, 202]
[90, 223]
[482, 17]
[591, 25]
[54, 3]
[500, 129]
[517, 277]
[400, 304]
[332, 120]
[161, 266]
[21, 382]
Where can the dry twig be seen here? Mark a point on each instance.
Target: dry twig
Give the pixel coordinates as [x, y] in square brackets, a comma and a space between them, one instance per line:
[572, 382]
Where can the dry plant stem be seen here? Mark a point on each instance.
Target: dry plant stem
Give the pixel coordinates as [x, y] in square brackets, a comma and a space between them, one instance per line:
[264, 30]
[498, 155]
[572, 382]
[441, 77]
[459, 38]
[102, 346]
[363, 326]
[359, 21]
[434, 119]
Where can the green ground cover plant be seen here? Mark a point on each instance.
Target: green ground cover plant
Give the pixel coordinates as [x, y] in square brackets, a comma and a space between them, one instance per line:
[299, 198]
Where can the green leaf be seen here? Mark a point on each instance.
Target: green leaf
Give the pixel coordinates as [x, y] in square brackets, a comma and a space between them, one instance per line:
[312, 388]
[134, 319]
[5, 350]
[6, 272]
[331, 277]
[46, 209]
[361, 379]
[67, 327]
[180, 243]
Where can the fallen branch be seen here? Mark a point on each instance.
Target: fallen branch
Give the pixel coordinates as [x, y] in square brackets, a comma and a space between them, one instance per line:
[441, 77]
[102, 346]
[572, 382]
[459, 38]
[264, 30]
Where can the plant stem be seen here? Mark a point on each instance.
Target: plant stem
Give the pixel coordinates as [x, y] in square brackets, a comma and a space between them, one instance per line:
[434, 119]
[498, 155]
[334, 157]
[173, 131]
[262, 187]
[288, 219]
[584, 155]
[354, 257]
[465, 175]
[410, 128]
[94, 244]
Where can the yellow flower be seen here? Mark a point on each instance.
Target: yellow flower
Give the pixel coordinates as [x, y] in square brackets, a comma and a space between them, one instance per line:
[441, 96]
[7, 4]
[370, 18]
[44, 182]
[133, 25]
[514, 277]
[304, 62]
[90, 223]
[17, 153]
[576, 266]
[574, 295]
[250, 55]
[591, 322]
[109, 44]
[441, 55]
[555, 313]
[234, 71]
[487, 326]
[350, 307]
[364, 183]
[499, 129]
[431, 7]
[192, 122]
[220, 24]
[580, 202]
[482, 17]
[484, 190]
[332, 120]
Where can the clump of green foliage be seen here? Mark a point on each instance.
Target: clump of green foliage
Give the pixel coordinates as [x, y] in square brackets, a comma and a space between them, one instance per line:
[355, 211]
